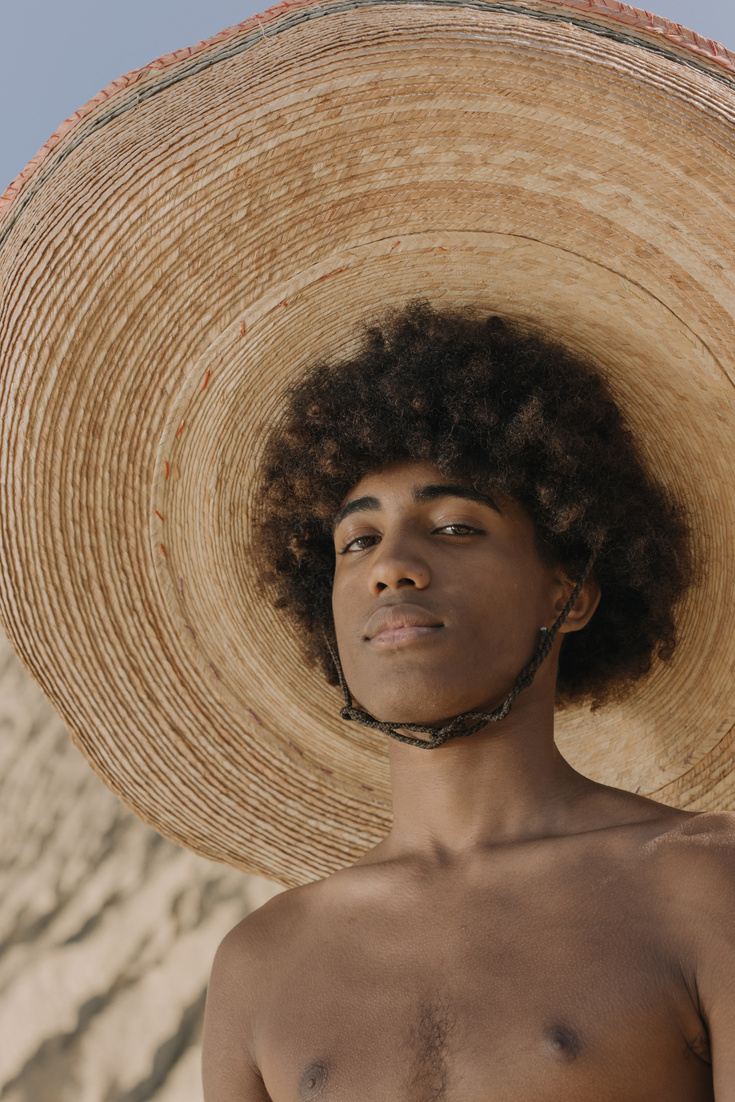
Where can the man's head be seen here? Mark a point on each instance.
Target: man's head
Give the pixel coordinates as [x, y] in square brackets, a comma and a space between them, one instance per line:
[435, 398]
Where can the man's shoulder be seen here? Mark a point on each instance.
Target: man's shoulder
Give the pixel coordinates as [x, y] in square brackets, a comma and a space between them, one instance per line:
[255, 936]
[692, 891]
[704, 832]
[695, 855]
[275, 930]
[253, 966]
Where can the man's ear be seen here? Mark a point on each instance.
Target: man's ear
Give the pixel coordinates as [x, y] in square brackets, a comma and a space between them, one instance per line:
[583, 608]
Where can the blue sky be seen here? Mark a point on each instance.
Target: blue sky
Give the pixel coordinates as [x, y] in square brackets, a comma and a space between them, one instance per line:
[56, 54]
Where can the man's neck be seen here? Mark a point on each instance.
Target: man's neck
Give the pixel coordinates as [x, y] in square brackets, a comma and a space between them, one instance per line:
[506, 783]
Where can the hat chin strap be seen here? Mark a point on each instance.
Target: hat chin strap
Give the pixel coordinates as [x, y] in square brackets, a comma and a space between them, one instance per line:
[468, 723]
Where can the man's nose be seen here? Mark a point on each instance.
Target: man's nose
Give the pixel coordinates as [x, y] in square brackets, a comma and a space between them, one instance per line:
[397, 565]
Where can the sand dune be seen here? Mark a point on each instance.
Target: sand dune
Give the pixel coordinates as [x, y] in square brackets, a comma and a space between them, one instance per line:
[107, 931]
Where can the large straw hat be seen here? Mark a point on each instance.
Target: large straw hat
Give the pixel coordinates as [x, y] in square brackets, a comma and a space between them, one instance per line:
[204, 229]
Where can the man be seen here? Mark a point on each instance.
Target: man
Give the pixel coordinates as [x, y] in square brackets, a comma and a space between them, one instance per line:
[522, 931]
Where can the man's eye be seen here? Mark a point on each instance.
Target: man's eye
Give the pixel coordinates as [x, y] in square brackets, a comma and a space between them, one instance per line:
[459, 529]
[359, 543]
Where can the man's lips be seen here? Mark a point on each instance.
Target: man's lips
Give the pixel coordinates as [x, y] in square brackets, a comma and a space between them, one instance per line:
[398, 625]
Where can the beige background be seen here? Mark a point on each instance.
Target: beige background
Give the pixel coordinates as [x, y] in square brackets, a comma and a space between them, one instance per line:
[107, 931]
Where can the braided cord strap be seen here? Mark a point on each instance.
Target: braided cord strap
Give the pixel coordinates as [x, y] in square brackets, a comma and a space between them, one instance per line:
[468, 723]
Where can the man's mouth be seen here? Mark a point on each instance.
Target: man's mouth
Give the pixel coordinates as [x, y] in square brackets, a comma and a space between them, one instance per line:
[400, 625]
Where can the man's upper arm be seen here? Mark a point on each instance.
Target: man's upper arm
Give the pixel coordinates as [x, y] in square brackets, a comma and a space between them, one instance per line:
[713, 898]
[228, 1069]
[718, 1005]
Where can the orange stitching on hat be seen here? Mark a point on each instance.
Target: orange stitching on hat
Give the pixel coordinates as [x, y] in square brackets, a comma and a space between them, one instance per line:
[335, 272]
[158, 514]
[254, 717]
[206, 380]
[164, 551]
[284, 303]
[395, 244]
[165, 463]
[180, 428]
[242, 329]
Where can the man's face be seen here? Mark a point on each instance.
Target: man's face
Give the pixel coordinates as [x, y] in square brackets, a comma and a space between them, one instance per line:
[438, 596]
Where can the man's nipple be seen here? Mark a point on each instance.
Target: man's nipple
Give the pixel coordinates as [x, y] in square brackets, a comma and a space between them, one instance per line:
[312, 1082]
[562, 1043]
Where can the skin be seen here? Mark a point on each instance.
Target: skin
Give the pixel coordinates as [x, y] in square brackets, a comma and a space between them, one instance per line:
[522, 932]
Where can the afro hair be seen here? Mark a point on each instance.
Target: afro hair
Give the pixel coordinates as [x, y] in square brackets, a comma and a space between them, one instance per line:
[500, 407]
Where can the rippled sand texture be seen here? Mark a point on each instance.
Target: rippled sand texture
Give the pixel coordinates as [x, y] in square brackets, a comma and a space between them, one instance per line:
[107, 931]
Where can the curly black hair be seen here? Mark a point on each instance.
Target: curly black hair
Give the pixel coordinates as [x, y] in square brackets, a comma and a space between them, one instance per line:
[503, 408]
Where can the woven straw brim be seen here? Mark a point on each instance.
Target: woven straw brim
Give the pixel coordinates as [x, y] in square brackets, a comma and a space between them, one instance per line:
[212, 225]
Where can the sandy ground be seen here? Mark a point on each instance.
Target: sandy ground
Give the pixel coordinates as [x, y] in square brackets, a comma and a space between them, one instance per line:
[107, 931]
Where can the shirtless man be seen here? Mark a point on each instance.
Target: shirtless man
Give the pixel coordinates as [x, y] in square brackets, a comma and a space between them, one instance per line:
[522, 933]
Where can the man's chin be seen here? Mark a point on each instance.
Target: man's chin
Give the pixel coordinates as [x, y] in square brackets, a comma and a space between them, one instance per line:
[398, 712]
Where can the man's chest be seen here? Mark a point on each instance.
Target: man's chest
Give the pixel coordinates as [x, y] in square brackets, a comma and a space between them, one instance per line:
[483, 999]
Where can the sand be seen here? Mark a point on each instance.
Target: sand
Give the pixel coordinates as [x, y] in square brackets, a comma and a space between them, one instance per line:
[107, 930]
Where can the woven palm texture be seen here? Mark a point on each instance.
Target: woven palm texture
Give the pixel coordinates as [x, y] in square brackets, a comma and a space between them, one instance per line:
[209, 225]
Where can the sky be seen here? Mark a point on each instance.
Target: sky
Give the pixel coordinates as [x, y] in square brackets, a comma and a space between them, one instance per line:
[57, 54]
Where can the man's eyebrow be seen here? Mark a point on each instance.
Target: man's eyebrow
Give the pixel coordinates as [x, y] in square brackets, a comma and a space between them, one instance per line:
[424, 494]
[359, 505]
[421, 495]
